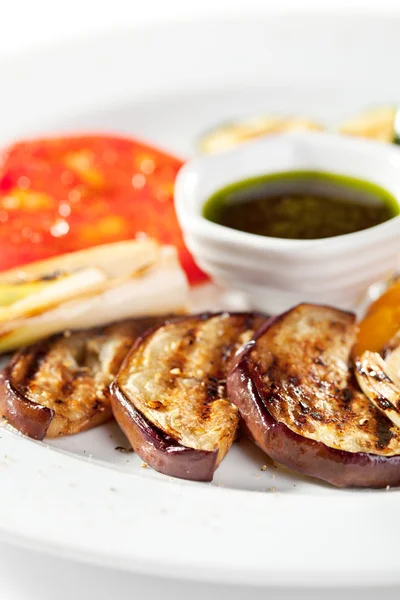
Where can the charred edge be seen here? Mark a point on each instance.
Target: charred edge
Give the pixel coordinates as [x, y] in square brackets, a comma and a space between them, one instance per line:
[379, 375]
[35, 355]
[68, 385]
[52, 276]
[34, 426]
[304, 408]
[316, 415]
[179, 359]
[384, 403]
[271, 369]
[347, 395]
[274, 397]
[383, 431]
[215, 389]
[251, 318]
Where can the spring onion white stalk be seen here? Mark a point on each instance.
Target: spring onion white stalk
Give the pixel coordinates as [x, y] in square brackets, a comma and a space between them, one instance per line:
[144, 279]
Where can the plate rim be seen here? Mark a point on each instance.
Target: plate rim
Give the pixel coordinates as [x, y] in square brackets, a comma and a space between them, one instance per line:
[17, 484]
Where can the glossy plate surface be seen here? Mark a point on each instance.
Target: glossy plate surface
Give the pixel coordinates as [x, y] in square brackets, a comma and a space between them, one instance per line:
[80, 497]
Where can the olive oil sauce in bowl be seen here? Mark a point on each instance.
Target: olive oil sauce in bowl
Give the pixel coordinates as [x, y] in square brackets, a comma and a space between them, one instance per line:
[295, 217]
[301, 205]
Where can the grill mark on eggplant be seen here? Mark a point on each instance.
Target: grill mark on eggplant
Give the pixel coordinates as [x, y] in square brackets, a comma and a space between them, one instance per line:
[188, 375]
[34, 362]
[178, 361]
[301, 369]
[383, 403]
[182, 360]
[69, 375]
[384, 431]
[378, 375]
[68, 385]
[347, 395]
[215, 388]
[70, 379]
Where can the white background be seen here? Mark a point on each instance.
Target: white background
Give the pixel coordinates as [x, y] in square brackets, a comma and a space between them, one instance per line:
[25, 24]
[28, 23]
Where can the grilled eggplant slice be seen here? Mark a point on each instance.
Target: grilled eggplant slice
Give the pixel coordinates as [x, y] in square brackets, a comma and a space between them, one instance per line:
[170, 395]
[295, 389]
[60, 386]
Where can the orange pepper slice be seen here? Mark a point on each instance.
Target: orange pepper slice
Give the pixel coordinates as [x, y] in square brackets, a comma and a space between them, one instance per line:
[381, 322]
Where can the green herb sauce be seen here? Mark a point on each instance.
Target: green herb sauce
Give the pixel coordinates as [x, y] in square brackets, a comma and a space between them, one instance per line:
[303, 205]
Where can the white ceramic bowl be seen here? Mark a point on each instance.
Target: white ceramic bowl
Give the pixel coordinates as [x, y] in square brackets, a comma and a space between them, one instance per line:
[278, 273]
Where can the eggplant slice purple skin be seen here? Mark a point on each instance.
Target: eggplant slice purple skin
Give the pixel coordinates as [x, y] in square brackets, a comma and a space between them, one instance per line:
[310, 457]
[21, 378]
[28, 417]
[156, 446]
[160, 451]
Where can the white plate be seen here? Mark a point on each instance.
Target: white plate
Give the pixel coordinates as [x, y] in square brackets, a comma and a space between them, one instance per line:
[79, 497]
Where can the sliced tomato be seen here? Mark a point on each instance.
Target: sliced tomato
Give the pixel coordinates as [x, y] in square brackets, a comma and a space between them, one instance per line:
[64, 194]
